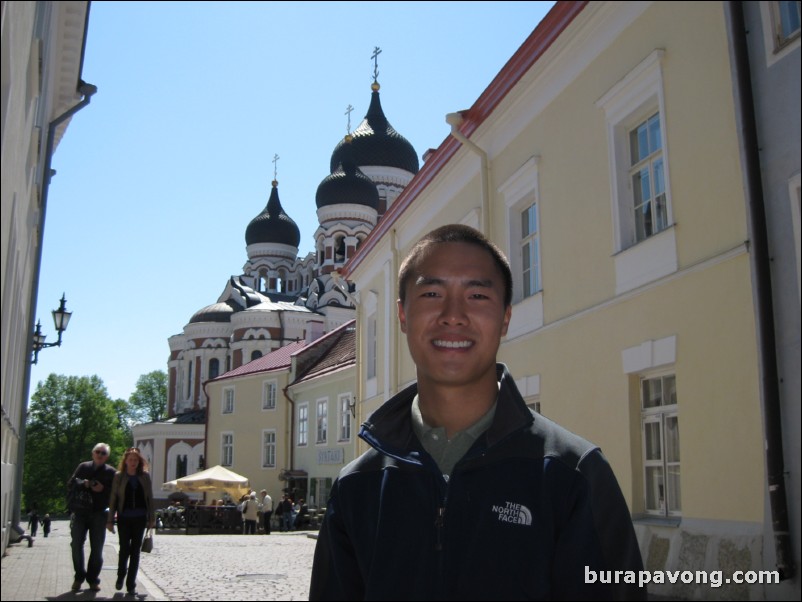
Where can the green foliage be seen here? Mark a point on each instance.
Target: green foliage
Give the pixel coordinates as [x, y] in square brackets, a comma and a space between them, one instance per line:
[148, 403]
[67, 416]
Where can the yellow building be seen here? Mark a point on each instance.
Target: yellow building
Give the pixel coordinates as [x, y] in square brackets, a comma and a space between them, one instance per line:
[322, 394]
[604, 159]
[285, 419]
[247, 420]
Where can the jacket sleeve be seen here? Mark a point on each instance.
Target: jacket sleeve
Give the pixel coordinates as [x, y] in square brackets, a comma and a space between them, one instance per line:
[335, 570]
[115, 492]
[613, 525]
[151, 509]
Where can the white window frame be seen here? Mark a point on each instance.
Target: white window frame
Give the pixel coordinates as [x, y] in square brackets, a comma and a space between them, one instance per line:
[228, 401]
[521, 190]
[269, 394]
[635, 98]
[776, 48]
[344, 403]
[303, 424]
[227, 449]
[322, 421]
[269, 448]
[668, 500]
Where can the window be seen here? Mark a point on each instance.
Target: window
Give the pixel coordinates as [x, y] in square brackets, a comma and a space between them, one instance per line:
[345, 417]
[661, 453]
[785, 23]
[228, 401]
[644, 243]
[214, 368]
[648, 179]
[268, 449]
[529, 251]
[303, 424]
[521, 200]
[227, 450]
[255, 355]
[269, 395]
[180, 466]
[322, 420]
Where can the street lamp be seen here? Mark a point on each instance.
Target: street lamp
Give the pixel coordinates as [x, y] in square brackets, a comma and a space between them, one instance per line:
[61, 317]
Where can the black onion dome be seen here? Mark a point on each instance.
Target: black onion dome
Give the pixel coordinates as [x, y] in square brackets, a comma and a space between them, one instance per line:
[216, 312]
[377, 143]
[273, 224]
[347, 184]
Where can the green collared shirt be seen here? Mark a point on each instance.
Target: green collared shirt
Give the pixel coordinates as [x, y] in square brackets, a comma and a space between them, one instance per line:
[447, 452]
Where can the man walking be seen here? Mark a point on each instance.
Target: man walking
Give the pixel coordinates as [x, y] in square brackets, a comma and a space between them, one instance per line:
[96, 476]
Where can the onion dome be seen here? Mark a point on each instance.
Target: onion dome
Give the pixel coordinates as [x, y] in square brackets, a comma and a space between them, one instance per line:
[216, 312]
[273, 224]
[377, 143]
[347, 184]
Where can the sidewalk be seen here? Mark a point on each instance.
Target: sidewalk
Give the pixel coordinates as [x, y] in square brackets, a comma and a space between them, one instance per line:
[44, 571]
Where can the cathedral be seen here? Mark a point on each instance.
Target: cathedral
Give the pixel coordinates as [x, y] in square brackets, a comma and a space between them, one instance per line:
[280, 297]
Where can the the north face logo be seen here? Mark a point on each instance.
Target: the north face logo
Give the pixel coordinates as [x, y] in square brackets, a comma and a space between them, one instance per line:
[517, 514]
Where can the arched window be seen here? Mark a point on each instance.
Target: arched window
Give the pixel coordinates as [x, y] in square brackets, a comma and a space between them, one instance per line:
[256, 355]
[214, 368]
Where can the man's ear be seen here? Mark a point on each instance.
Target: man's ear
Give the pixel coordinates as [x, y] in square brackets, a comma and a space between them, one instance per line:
[402, 317]
[506, 322]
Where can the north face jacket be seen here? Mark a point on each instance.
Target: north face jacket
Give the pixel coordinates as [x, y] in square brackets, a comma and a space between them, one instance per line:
[524, 512]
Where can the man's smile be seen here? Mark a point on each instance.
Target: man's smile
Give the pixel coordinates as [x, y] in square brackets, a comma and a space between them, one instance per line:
[452, 344]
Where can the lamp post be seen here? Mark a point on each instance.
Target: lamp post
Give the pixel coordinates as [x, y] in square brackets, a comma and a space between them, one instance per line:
[61, 317]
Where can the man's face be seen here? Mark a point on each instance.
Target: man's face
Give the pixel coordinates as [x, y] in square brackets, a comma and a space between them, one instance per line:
[100, 455]
[454, 315]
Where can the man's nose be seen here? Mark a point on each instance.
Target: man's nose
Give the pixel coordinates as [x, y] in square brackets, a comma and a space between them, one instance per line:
[453, 310]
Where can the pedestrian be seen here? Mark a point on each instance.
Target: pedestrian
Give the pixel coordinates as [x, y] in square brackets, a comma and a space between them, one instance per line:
[267, 510]
[33, 519]
[46, 524]
[250, 509]
[96, 476]
[287, 514]
[466, 493]
[132, 502]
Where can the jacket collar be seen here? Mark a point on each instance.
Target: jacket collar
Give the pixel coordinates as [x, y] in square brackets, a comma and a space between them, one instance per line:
[389, 429]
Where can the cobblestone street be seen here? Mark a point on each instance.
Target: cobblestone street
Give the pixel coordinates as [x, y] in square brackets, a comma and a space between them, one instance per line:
[229, 567]
[181, 567]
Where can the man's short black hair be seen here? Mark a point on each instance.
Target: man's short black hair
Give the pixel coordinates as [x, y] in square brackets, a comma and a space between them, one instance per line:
[453, 233]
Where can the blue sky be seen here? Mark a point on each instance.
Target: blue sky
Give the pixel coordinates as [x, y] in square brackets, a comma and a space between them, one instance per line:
[159, 176]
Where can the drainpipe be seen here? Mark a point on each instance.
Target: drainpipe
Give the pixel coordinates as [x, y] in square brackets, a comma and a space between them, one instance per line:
[87, 91]
[455, 120]
[760, 260]
[291, 446]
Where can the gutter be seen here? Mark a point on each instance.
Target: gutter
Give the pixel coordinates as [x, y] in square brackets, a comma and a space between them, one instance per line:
[760, 260]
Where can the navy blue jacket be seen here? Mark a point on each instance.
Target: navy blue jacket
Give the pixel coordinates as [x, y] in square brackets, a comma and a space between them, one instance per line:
[524, 512]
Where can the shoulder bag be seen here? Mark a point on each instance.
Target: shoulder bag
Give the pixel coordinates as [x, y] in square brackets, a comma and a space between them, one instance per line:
[147, 543]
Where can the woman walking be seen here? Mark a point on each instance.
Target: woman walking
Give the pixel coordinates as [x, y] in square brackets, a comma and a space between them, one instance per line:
[132, 501]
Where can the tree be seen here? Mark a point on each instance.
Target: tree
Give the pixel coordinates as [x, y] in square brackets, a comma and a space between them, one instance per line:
[148, 403]
[67, 416]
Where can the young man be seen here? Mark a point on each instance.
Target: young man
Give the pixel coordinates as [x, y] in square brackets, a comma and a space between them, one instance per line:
[467, 494]
[97, 477]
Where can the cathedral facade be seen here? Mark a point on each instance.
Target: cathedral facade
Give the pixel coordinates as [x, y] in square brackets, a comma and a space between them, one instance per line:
[280, 297]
